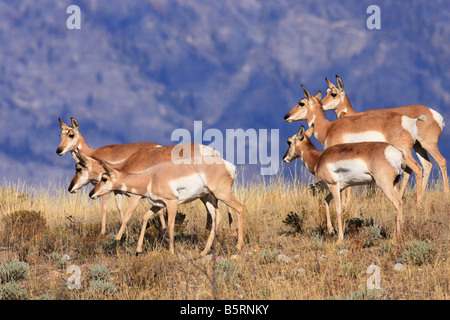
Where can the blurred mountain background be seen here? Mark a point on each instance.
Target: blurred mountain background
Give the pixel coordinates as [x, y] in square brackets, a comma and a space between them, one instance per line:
[137, 70]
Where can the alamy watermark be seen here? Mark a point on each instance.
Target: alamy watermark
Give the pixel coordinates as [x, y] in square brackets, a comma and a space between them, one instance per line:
[374, 20]
[74, 20]
[235, 146]
[373, 281]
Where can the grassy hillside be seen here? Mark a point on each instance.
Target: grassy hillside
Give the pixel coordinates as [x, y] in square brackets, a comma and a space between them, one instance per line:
[287, 254]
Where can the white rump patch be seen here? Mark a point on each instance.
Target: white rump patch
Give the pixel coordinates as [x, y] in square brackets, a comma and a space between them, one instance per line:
[231, 168]
[395, 157]
[438, 118]
[365, 136]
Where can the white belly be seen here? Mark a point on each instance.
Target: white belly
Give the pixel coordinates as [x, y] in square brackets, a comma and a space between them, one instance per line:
[189, 188]
[350, 172]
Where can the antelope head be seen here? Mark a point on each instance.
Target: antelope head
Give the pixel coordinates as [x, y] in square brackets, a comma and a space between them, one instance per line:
[106, 182]
[69, 136]
[293, 143]
[335, 96]
[305, 108]
[87, 170]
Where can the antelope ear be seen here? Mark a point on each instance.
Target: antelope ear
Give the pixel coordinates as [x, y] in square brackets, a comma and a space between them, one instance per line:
[75, 123]
[300, 133]
[340, 83]
[62, 124]
[319, 95]
[306, 93]
[330, 85]
[107, 167]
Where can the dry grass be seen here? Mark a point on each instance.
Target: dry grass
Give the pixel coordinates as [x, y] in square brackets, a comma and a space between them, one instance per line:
[283, 258]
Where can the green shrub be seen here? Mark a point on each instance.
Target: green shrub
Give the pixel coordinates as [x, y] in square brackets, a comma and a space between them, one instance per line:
[417, 252]
[56, 257]
[102, 286]
[13, 271]
[12, 291]
[99, 273]
[388, 247]
[370, 235]
[267, 256]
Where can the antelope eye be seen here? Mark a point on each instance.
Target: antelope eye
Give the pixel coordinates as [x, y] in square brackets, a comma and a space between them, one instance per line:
[71, 135]
[78, 169]
[301, 104]
[104, 179]
[334, 95]
[289, 143]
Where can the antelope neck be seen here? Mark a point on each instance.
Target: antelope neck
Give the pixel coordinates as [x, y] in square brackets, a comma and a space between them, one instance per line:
[310, 156]
[83, 146]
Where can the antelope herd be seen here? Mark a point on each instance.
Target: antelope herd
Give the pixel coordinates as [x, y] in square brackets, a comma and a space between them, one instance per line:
[359, 148]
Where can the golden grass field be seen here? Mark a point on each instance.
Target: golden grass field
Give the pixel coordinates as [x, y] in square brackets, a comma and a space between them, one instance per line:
[287, 254]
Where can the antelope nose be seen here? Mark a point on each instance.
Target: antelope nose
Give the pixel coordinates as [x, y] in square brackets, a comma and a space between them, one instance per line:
[70, 187]
[59, 152]
[286, 116]
[91, 194]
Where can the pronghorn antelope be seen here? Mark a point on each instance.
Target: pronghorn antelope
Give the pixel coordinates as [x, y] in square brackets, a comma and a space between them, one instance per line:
[350, 164]
[168, 184]
[394, 128]
[89, 169]
[428, 132]
[72, 140]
